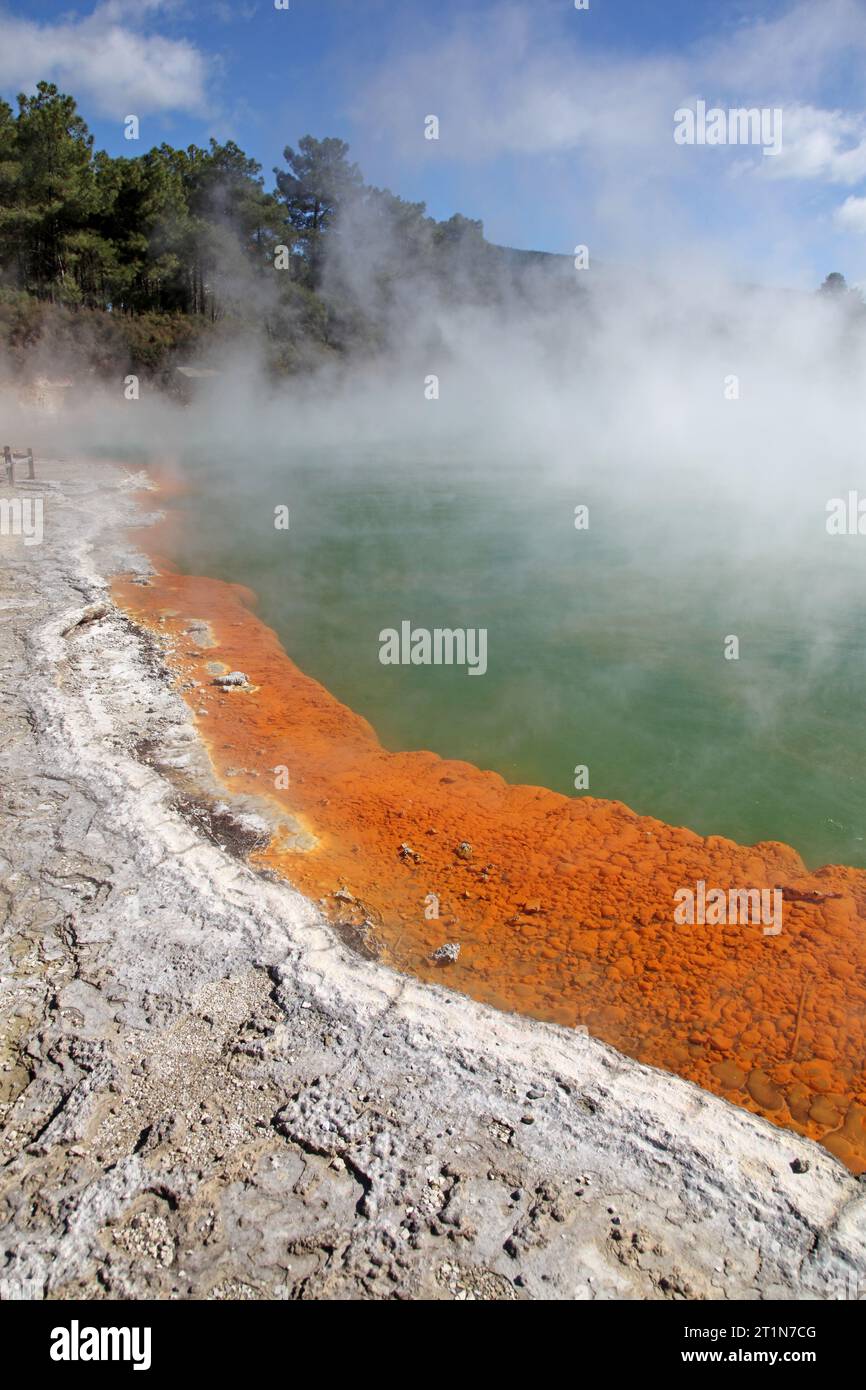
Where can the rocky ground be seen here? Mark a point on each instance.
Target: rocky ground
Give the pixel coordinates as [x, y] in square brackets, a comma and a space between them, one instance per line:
[206, 1094]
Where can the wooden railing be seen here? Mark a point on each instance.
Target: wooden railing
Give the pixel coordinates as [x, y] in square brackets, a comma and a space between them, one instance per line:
[12, 458]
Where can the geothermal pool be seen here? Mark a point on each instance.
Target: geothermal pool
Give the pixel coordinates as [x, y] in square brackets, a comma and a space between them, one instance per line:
[605, 649]
[605, 646]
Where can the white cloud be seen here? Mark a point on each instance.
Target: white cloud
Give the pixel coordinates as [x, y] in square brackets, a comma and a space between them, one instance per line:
[106, 60]
[503, 92]
[795, 56]
[852, 215]
[819, 144]
[509, 89]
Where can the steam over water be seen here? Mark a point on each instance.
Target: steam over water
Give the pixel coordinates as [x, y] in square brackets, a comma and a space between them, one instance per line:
[707, 432]
[605, 646]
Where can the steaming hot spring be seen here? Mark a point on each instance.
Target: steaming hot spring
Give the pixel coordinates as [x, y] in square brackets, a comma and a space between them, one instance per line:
[620, 822]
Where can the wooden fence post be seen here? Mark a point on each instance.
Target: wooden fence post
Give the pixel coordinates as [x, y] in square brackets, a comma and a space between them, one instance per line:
[10, 459]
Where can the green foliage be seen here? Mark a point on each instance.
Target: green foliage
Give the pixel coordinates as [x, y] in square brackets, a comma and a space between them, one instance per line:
[317, 183]
[835, 283]
[51, 194]
[59, 340]
[140, 260]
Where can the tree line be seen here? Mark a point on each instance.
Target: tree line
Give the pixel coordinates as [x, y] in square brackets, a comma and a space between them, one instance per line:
[187, 231]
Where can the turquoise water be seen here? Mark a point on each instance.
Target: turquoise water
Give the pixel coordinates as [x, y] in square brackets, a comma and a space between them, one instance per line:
[605, 647]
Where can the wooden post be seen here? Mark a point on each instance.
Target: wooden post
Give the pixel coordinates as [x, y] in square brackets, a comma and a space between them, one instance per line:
[11, 458]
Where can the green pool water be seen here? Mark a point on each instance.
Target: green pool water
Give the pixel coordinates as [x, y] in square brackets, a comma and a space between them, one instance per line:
[605, 646]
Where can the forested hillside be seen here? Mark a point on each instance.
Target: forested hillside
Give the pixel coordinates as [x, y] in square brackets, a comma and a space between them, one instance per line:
[144, 262]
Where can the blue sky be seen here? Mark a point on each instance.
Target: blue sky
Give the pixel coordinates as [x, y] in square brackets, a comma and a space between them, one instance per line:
[556, 125]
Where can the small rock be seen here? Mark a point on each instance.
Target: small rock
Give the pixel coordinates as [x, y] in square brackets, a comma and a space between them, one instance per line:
[800, 1165]
[232, 679]
[448, 952]
[463, 850]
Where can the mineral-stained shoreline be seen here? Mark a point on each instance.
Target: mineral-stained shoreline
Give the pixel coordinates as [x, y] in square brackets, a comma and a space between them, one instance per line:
[206, 1093]
[560, 908]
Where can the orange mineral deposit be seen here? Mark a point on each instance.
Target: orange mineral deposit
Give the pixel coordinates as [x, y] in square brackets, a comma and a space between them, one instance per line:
[563, 908]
